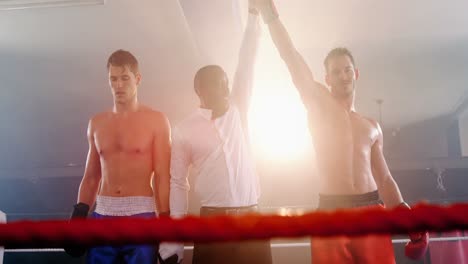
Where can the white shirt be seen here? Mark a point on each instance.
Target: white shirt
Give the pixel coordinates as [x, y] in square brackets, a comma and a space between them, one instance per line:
[217, 151]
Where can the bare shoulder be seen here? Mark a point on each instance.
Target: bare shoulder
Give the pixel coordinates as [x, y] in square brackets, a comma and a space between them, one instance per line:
[99, 118]
[320, 86]
[323, 90]
[158, 119]
[315, 94]
[315, 86]
[151, 113]
[376, 130]
[372, 121]
[158, 116]
[144, 108]
[375, 126]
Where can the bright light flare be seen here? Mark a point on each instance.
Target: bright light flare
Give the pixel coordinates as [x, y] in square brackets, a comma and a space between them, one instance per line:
[277, 117]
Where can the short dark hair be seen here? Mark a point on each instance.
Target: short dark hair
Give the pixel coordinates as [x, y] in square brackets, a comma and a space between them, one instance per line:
[123, 58]
[207, 75]
[337, 52]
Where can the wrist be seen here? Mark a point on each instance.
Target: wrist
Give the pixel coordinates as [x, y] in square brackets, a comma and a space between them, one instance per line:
[404, 204]
[269, 12]
[164, 214]
[253, 11]
[80, 210]
[81, 207]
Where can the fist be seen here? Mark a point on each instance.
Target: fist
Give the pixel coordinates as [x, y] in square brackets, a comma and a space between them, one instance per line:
[259, 3]
[171, 252]
[417, 246]
[266, 8]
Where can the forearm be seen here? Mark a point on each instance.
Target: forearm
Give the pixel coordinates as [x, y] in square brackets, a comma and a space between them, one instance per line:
[88, 190]
[280, 37]
[179, 198]
[390, 193]
[250, 41]
[162, 200]
[249, 48]
[417, 246]
[283, 42]
[300, 72]
[179, 185]
[243, 78]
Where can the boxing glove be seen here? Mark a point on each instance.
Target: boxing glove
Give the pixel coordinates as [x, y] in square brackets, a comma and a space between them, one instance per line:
[80, 211]
[417, 246]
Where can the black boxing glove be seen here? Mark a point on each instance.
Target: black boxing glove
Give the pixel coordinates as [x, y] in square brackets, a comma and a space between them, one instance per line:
[80, 211]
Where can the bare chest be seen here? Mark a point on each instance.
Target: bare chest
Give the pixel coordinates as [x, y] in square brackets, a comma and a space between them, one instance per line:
[364, 133]
[123, 136]
[343, 131]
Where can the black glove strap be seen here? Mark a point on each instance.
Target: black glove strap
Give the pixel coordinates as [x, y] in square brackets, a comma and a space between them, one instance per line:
[80, 210]
[161, 261]
[170, 260]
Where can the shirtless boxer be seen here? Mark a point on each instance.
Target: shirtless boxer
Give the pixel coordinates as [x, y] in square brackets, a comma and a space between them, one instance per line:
[351, 165]
[127, 168]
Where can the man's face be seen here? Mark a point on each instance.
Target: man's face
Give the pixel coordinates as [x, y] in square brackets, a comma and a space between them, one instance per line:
[341, 76]
[124, 83]
[213, 91]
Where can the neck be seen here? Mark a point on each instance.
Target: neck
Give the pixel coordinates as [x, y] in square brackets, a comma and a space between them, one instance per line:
[217, 111]
[347, 102]
[130, 106]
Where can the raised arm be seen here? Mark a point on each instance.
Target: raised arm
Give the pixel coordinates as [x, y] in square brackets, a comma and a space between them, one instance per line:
[301, 74]
[243, 78]
[92, 176]
[161, 161]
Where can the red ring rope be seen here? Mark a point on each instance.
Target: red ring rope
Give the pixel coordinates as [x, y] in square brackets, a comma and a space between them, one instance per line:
[226, 228]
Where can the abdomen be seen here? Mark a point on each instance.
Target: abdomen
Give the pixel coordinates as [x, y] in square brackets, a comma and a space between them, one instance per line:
[127, 175]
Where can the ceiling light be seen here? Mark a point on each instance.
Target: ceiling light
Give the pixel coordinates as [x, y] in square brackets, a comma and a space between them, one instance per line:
[23, 4]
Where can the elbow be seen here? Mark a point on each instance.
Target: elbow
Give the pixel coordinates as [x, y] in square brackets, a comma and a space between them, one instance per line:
[91, 180]
[386, 184]
[285, 55]
[288, 54]
[179, 185]
[382, 184]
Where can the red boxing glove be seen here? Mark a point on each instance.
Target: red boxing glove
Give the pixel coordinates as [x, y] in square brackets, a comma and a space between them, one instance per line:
[417, 246]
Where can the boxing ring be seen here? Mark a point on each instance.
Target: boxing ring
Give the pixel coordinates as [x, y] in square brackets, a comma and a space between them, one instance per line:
[51, 236]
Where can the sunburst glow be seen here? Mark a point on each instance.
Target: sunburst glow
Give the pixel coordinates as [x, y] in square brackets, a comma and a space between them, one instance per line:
[277, 117]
